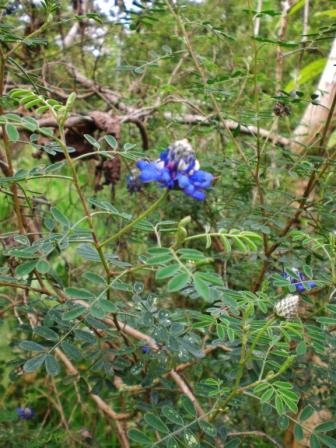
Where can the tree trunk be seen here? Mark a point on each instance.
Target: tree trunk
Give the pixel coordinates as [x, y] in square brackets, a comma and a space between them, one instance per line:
[313, 120]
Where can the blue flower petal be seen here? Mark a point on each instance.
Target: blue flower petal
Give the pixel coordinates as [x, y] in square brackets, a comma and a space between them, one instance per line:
[199, 195]
[142, 164]
[164, 155]
[183, 181]
[201, 179]
[173, 168]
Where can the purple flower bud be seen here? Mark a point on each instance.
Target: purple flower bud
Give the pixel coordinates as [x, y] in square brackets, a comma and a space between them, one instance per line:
[25, 413]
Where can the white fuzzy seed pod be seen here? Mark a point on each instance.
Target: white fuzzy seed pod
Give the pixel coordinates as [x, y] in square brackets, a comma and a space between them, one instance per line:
[288, 307]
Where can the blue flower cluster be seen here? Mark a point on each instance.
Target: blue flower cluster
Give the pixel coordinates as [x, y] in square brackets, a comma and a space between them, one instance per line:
[297, 282]
[177, 167]
[25, 413]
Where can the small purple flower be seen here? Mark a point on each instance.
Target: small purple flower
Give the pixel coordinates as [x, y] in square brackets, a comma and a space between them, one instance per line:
[133, 183]
[177, 168]
[25, 413]
[145, 349]
[297, 282]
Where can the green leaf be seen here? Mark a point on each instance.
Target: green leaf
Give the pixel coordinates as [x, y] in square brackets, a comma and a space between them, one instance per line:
[220, 329]
[279, 405]
[30, 123]
[25, 268]
[326, 427]
[155, 422]
[301, 348]
[298, 432]
[46, 333]
[107, 306]
[314, 442]
[210, 277]
[190, 439]
[97, 312]
[167, 271]
[240, 244]
[34, 363]
[42, 266]
[160, 259]
[267, 395]
[92, 141]
[58, 215]
[31, 346]
[52, 365]
[326, 320]
[201, 286]
[171, 414]
[111, 141]
[234, 443]
[71, 351]
[283, 422]
[94, 278]
[296, 7]
[330, 442]
[178, 282]
[206, 427]
[12, 132]
[172, 443]
[307, 73]
[191, 254]
[226, 244]
[74, 312]
[79, 293]
[307, 412]
[188, 406]
[139, 437]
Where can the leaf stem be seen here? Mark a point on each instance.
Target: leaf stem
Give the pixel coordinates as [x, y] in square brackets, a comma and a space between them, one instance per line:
[142, 216]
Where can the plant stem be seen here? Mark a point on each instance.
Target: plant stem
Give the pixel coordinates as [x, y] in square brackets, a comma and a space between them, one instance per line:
[85, 206]
[142, 216]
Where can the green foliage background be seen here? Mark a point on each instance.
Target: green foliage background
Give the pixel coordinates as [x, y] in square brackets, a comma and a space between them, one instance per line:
[129, 320]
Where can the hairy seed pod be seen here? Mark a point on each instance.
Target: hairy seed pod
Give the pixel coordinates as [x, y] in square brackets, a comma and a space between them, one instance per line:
[288, 307]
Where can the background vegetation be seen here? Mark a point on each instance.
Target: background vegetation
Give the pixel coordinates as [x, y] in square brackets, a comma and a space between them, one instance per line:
[146, 318]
